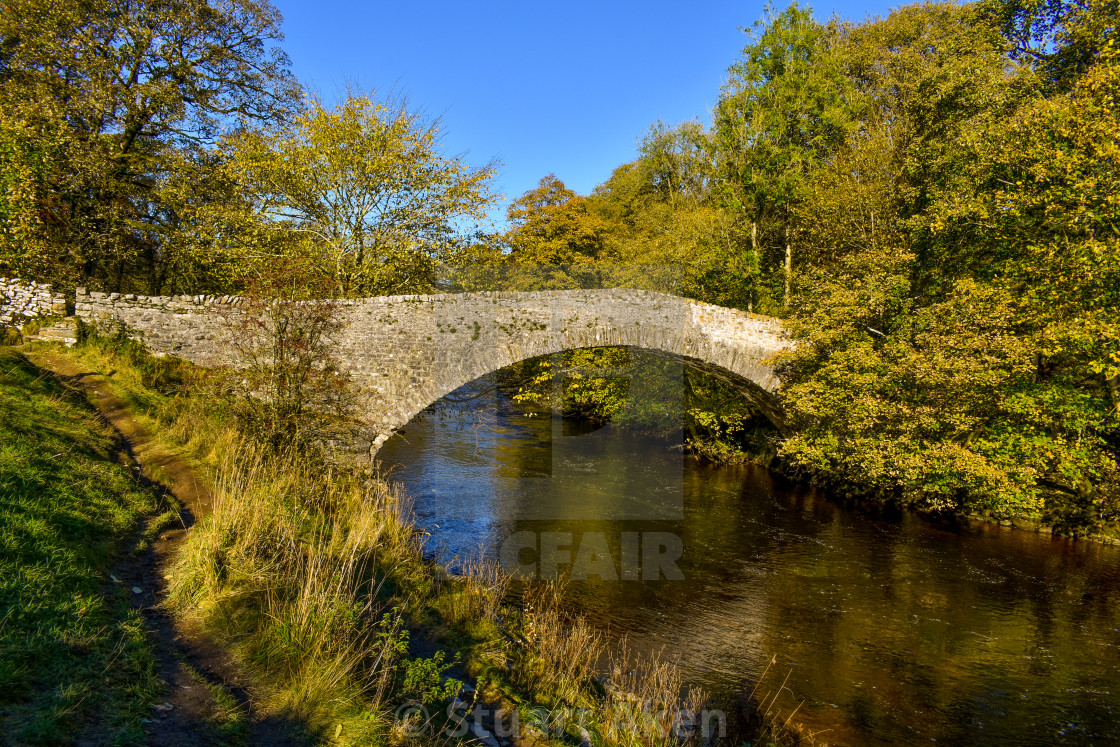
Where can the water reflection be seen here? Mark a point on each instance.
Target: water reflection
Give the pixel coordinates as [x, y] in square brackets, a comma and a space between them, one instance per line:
[896, 631]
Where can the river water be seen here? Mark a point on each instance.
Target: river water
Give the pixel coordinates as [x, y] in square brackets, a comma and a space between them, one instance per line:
[892, 630]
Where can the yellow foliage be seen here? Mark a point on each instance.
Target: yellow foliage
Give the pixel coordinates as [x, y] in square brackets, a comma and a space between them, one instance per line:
[364, 186]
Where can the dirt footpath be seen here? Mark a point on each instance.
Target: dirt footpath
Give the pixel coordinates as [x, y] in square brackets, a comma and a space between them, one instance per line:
[205, 701]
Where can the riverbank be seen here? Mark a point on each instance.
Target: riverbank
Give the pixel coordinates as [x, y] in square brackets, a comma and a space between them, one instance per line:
[874, 502]
[309, 574]
[75, 662]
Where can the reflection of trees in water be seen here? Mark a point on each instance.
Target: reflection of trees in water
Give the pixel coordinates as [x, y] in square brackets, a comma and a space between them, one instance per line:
[650, 393]
[631, 388]
[892, 626]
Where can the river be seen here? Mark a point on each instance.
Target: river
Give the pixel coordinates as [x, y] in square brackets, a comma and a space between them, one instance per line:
[892, 629]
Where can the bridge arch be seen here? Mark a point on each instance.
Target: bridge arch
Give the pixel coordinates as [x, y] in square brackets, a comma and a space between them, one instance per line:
[426, 347]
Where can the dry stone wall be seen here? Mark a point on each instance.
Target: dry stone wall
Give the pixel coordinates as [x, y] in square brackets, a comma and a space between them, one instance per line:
[406, 352]
[22, 301]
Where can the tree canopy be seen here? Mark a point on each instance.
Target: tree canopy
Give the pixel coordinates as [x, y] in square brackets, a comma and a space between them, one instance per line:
[365, 187]
[929, 200]
[107, 106]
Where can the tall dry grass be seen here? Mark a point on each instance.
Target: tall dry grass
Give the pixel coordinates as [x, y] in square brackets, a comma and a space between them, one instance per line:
[649, 702]
[475, 594]
[621, 698]
[290, 568]
[559, 653]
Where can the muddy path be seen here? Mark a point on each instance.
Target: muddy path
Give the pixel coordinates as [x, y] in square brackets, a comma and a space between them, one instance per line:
[205, 700]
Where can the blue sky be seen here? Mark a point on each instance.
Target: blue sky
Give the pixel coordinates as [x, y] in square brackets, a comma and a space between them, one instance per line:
[567, 87]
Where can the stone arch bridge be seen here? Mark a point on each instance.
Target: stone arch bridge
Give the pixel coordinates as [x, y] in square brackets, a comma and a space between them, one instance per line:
[406, 352]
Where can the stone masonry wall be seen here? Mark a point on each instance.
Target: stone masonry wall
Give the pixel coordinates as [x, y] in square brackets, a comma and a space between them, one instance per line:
[405, 352]
[20, 301]
[190, 327]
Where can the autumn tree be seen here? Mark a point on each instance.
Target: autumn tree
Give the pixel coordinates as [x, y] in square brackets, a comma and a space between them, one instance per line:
[285, 385]
[659, 211]
[785, 106]
[552, 225]
[958, 343]
[1047, 36]
[114, 95]
[366, 185]
[29, 160]
[676, 162]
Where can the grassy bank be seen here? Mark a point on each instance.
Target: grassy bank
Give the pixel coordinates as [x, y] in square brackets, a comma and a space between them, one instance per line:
[310, 571]
[314, 576]
[75, 664]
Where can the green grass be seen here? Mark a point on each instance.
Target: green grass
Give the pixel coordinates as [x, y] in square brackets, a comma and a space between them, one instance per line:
[228, 721]
[74, 659]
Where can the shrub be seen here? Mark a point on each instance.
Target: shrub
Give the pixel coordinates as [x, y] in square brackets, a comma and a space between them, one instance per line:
[287, 385]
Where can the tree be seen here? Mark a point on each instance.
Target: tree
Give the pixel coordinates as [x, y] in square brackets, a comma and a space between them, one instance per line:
[658, 212]
[924, 75]
[961, 350]
[1048, 36]
[676, 161]
[28, 162]
[552, 225]
[365, 184]
[114, 89]
[286, 385]
[785, 106]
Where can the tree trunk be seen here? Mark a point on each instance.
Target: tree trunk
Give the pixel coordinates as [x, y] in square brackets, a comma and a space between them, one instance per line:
[754, 262]
[689, 397]
[789, 266]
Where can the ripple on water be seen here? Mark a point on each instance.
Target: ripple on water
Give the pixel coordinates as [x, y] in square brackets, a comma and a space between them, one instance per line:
[893, 631]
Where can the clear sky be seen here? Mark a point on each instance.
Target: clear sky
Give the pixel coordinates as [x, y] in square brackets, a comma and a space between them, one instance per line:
[563, 87]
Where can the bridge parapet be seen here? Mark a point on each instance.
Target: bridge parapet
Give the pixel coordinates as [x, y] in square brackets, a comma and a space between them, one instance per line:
[405, 352]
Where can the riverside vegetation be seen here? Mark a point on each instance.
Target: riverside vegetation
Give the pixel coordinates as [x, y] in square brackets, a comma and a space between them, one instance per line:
[927, 199]
[307, 568]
